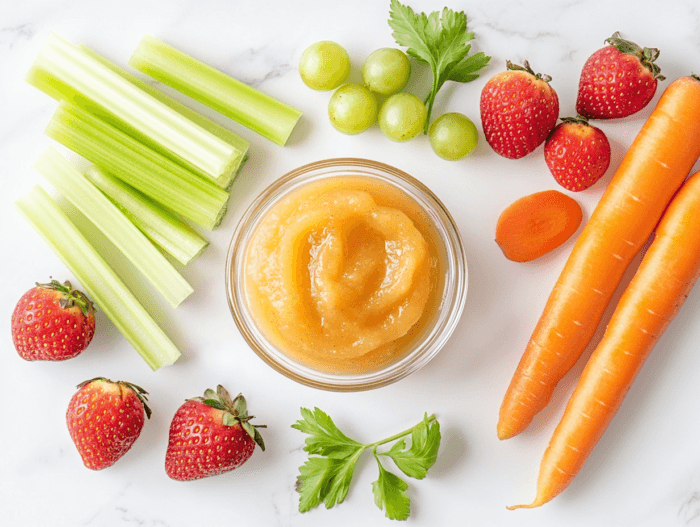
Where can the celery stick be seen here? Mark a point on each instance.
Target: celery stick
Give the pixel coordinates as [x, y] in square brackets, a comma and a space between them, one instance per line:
[238, 143]
[166, 230]
[98, 279]
[261, 113]
[171, 185]
[69, 71]
[114, 225]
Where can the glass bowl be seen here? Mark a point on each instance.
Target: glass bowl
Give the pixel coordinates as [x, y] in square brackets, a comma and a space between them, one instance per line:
[450, 300]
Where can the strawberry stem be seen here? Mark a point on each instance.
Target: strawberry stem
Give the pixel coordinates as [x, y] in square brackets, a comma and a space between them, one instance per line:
[70, 297]
[646, 56]
[526, 67]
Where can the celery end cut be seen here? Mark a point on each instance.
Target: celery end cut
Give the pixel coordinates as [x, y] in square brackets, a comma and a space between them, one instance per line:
[96, 207]
[164, 181]
[258, 111]
[162, 227]
[240, 145]
[97, 278]
[66, 71]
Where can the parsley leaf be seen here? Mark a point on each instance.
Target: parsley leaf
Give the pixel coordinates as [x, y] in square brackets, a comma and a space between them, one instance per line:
[390, 494]
[441, 41]
[425, 441]
[326, 475]
[325, 439]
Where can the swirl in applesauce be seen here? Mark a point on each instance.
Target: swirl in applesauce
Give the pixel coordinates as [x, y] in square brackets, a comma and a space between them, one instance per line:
[342, 274]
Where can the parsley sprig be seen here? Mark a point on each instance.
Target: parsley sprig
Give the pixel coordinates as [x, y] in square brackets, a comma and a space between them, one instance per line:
[326, 475]
[441, 41]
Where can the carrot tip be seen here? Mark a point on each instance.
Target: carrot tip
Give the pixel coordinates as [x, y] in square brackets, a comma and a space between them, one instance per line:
[530, 506]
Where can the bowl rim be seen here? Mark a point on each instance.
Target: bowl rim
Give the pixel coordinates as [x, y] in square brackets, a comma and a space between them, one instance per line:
[455, 290]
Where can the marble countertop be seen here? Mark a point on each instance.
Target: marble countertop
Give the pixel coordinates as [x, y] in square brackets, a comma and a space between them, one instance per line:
[644, 472]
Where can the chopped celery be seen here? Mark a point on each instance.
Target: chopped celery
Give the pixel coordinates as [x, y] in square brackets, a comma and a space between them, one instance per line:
[240, 144]
[168, 183]
[261, 113]
[165, 229]
[65, 71]
[114, 225]
[97, 278]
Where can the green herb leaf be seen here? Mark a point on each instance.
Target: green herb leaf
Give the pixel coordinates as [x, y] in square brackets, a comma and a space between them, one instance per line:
[390, 494]
[425, 442]
[440, 40]
[325, 439]
[326, 476]
[324, 480]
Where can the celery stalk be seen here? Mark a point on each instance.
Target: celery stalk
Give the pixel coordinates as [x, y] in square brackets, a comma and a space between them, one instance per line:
[261, 113]
[96, 207]
[62, 68]
[166, 230]
[171, 185]
[239, 144]
[97, 278]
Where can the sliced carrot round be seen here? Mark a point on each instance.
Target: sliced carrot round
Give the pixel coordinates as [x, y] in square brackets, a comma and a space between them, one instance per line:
[537, 224]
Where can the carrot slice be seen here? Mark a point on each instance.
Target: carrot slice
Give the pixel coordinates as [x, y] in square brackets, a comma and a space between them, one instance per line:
[652, 171]
[536, 224]
[656, 293]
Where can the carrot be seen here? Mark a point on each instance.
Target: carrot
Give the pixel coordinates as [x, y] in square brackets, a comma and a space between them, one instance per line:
[534, 225]
[656, 293]
[650, 174]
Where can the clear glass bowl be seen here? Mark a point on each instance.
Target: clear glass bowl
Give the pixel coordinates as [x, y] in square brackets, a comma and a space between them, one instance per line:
[445, 317]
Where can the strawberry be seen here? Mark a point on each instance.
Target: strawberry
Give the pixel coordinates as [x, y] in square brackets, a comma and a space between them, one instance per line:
[104, 419]
[577, 153]
[52, 322]
[210, 435]
[617, 80]
[518, 109]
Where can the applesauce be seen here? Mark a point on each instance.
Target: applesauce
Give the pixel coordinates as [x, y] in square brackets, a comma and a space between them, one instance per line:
[346, 274]
[343, 273]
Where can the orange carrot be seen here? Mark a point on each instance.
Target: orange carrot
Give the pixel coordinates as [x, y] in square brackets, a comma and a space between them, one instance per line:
[534, 225]
[652, 171]
[660, 286]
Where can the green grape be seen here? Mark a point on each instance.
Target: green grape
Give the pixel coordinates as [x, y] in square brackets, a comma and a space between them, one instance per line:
[352, 109]
[324, 65]
[402, 117]
[386, 71]
[453, 136]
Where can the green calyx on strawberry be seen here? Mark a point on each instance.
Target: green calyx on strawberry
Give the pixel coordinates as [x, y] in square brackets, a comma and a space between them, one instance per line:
[209, 436]
[618, 80]
[518, 110]
[52, 322]
[577, 154]
[235, 412]
[646, 56]
[70, 297]
[104, 419]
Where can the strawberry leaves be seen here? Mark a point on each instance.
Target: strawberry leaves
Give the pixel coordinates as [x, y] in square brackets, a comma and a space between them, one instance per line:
[326, 475]
[440, 40]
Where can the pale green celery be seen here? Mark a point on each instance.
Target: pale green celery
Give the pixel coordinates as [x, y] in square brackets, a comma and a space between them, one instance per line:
[65, 71]
[261, 113]
[97, 278]
[168, 183]
[238, 143]
[163, 228]
[125, 236]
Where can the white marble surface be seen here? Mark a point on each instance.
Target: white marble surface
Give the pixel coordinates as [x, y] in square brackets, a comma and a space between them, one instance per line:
[644, 472]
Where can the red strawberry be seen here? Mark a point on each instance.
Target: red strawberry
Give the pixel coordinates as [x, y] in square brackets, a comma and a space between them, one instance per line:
[617, 80]
[52, 322]
[518, 109]
[577, 153]
[104, 419]
[210, 435]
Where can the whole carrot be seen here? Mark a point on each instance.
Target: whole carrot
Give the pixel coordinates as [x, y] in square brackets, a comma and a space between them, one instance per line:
[665, 277]
[652, 171]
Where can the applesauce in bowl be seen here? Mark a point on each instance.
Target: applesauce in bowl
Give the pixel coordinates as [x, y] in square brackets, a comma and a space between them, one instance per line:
[346, 274]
